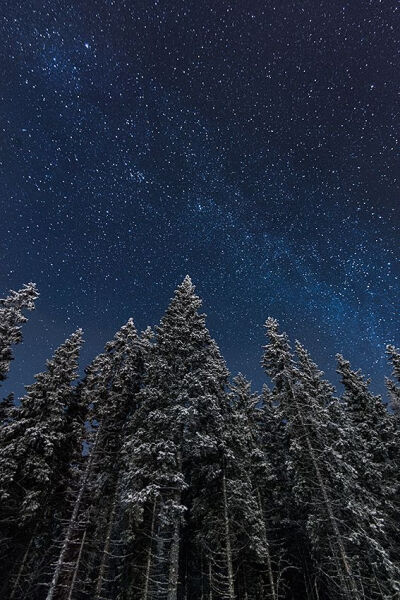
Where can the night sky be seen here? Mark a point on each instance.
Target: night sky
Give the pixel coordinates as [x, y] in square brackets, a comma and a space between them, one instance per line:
[253, 145]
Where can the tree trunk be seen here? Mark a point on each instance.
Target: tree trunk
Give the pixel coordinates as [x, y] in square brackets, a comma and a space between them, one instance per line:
[149, 554]
[174, 564]
[228, 548]
[22, 568]
[352, 593]
[72, 522]
[174, 551]
[76, 569]
[107, 543]
[268, 556]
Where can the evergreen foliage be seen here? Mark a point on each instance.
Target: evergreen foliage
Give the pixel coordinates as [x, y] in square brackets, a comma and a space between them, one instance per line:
[11, 319]
[37, 449]
[158, 477]
[393, 387]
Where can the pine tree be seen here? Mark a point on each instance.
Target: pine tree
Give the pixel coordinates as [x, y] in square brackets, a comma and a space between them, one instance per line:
[210, 523]
[315, 480]
[252, 478]
[35, 462]
[127, 352]
[154, 478]
[110, 388]
[11, 319]
[175, 442]
[374, 454]
[154, 481]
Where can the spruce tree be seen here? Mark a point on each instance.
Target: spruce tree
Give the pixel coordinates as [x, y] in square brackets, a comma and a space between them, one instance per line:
[35, 464]
[11, 320]
[374, 455]
[127, 354]
[174, 458]
[316, 480]
[253, 480]
[153, 481]
[110, 387]
[154, 478]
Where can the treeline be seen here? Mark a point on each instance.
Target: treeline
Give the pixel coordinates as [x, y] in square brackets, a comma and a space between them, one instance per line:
[156, 477]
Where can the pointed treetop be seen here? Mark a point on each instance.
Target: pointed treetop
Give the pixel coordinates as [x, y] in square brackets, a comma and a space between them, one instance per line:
[394, 357]
[271, 325]
[359, 399]
[61, 371]
[77, 333]
[185, 287]
[70, 348]
[277, 359]
[184, 304]
[147, 335]
[128, 328]
[75, 339]
[122, 338]
[301, 352]
[187, 281]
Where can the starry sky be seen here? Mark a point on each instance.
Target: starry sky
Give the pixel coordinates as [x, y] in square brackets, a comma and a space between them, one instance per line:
[251, 144]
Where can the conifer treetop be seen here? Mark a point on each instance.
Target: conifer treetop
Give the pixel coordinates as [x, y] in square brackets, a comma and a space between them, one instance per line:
[64, 360]
[277, 360]
[365, 406]
[69, 348]
[394, 357]
[11, 319]
[311, 376]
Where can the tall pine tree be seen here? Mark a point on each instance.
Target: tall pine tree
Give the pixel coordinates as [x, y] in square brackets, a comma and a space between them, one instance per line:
[374, 455]
[89, 550]
[315, 480]
[35, 466]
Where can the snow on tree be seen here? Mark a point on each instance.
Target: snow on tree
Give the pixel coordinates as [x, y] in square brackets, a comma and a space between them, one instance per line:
[35, 461]
[11, 320]
[314, 479]
[374, 455]
[250, 475]
[153, 481]
[393, 388]
[156, 478]
[7, 409]
[110, 387]
[175, 442]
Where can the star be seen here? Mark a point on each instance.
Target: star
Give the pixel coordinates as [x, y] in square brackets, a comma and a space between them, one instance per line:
[253, 147]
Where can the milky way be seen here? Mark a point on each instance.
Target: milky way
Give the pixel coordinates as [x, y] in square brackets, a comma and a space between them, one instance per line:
[253, 145]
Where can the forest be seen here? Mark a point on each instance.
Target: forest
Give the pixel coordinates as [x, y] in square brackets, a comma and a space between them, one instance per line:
[158, 476]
